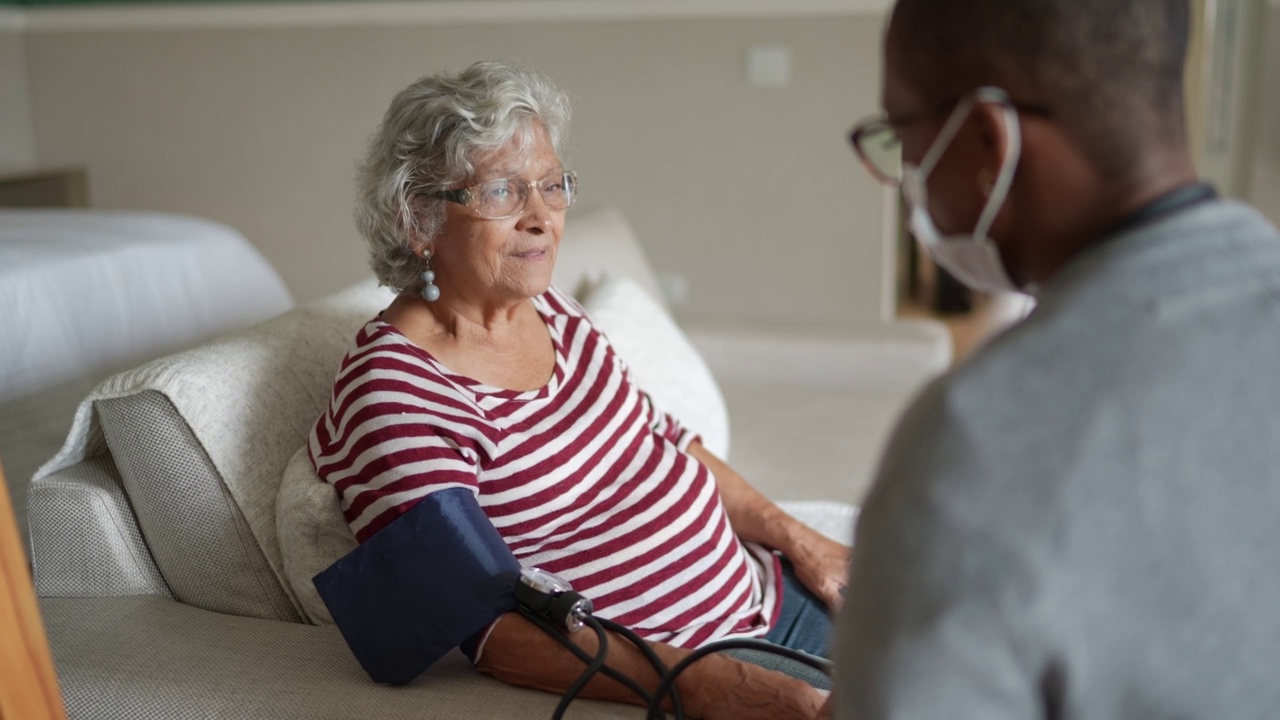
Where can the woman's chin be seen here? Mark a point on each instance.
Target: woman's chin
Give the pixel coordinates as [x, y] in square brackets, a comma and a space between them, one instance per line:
[534, 262]
[528, 287]
[531, 277]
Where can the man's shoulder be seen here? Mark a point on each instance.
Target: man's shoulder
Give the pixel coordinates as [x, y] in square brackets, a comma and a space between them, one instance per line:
[982, 438]
[1220, 244]
[988, 393]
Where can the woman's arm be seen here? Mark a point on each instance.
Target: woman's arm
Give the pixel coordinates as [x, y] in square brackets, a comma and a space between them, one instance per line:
[821, 563]
[714, 688]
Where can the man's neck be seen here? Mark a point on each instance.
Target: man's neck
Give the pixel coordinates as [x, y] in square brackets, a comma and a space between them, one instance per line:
[1108, 204]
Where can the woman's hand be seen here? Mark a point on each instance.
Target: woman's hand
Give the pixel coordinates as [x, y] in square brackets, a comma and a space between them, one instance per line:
[822, 565]
[828, 711]
[730, 689]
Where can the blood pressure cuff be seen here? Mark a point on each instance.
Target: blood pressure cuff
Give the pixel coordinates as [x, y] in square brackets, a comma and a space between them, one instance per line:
[431, 579]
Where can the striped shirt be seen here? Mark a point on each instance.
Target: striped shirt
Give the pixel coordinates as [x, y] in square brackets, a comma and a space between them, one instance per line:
[583, 477]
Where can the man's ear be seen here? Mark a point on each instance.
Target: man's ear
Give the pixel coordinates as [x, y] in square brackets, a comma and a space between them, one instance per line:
[993, 128]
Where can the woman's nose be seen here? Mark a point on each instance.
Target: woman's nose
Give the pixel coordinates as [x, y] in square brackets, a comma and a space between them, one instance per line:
[536, 217]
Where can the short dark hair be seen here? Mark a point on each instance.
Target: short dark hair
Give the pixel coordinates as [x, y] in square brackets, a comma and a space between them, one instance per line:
[1111, 70]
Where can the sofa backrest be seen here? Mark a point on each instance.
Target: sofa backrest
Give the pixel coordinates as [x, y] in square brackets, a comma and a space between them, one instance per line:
[197, 534]
[200, 440]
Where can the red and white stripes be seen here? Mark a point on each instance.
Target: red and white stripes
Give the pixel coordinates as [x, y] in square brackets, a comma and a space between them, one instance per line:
[583, 477]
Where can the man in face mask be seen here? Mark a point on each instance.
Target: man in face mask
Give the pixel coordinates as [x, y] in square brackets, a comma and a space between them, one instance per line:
[1080, 522]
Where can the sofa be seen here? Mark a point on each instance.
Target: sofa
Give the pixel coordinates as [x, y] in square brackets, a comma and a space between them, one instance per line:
[169, 586]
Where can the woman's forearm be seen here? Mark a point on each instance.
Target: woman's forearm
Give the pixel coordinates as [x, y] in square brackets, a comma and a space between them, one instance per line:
[821, 564]
[520, 653]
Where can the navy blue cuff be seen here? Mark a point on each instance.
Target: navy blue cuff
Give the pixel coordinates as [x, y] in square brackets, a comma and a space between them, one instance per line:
[471, 646]
[435, 578]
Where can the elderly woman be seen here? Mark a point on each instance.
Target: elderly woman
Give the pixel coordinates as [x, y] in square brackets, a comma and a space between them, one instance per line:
[479, 375]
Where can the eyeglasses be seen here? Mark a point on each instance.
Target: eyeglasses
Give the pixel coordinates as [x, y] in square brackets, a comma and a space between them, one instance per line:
[879, 147]
[508, 197]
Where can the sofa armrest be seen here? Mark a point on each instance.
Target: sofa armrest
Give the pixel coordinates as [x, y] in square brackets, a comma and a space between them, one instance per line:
[836, 520]
[809, 415]
[85, 541]
[147, 656]
[904, 353]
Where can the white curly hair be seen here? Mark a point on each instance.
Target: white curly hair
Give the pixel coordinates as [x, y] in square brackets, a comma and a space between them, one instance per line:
[429, 140]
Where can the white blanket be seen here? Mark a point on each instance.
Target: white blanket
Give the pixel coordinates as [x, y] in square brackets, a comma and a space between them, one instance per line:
[83, 292]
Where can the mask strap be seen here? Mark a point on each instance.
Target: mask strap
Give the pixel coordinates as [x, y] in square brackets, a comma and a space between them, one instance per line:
[945, 136]
[1004, 180]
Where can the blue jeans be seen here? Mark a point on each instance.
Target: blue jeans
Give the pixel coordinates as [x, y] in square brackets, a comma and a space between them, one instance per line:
[803, 624]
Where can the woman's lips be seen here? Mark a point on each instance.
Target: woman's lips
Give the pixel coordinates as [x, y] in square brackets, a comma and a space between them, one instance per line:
[532, 254]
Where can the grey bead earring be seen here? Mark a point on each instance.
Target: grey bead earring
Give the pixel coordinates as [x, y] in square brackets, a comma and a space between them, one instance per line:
[430, 291]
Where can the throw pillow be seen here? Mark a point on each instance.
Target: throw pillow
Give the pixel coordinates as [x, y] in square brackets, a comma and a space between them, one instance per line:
[662, 360]
[313, 533]
[596, 245]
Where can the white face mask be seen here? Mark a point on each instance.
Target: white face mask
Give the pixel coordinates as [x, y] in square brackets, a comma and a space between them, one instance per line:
[973, 259]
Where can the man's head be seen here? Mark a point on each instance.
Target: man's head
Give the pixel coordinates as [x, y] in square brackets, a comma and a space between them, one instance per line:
[1108, 75]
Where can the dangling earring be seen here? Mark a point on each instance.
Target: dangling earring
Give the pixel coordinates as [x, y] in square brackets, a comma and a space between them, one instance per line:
[430, 291]
[986, 181]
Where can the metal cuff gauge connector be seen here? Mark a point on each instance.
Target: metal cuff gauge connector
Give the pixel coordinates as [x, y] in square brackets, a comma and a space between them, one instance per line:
[552, 597]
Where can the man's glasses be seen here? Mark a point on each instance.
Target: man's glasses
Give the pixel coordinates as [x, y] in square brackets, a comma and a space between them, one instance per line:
[879, 147]
[508, 197]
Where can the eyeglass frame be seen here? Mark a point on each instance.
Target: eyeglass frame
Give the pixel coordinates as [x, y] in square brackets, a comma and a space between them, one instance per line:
[863, 127]
[467, 197]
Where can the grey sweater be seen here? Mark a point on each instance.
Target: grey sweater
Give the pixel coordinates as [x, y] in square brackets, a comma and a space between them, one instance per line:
[1084, 520]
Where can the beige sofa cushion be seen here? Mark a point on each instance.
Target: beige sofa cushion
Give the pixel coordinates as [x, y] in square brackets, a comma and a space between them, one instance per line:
[248, 401]
[197, 535]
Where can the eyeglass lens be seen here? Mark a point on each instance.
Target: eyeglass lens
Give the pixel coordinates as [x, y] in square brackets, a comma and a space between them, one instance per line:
[881, 148]
[509, 196]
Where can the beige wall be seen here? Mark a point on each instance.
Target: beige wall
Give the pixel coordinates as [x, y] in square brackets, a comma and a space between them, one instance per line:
[751, 193]
[17, 147]
[1265, 185]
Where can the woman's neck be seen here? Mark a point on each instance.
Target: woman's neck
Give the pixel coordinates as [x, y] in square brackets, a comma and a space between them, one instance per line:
[456, 320]
[511, 349]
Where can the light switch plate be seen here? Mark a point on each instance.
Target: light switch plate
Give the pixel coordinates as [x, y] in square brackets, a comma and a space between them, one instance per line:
[769, 65]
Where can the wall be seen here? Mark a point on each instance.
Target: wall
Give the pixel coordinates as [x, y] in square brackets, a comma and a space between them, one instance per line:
[17, 146]
[752, 194]
[1264, 189]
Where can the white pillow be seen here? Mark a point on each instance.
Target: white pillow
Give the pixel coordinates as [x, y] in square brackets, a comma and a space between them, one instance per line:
[313, 533]
[662, 360]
